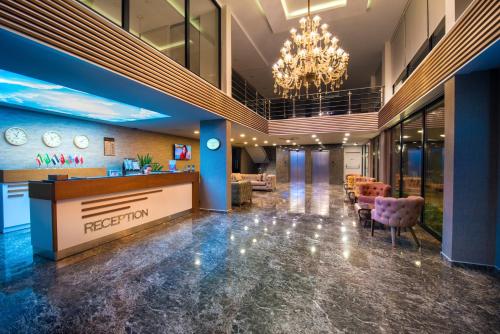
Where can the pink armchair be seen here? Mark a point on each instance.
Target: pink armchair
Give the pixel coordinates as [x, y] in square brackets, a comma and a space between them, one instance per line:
[352, 192]
[367, 191]
[397, 213]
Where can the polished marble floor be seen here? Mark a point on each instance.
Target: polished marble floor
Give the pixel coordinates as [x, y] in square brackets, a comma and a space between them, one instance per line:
[296, 261]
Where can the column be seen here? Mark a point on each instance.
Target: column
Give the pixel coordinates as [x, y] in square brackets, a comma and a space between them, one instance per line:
[226, 64]
[215, 166]
[387, 71]
[471, 169]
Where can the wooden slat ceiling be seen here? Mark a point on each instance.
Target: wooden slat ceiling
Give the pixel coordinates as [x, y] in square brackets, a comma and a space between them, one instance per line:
[73, 28]
[338, 123]
[475, 30]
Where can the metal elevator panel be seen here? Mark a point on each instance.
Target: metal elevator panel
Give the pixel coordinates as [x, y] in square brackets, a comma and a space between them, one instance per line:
[298, 166]
[321, 167]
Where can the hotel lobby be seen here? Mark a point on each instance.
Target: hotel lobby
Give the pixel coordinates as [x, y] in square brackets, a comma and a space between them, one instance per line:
[250, 166]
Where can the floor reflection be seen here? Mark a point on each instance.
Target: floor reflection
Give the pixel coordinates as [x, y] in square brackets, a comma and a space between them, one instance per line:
[295, 261]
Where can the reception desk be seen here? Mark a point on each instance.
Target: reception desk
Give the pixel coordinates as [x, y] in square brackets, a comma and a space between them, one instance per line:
[14, 200]
[70, 216]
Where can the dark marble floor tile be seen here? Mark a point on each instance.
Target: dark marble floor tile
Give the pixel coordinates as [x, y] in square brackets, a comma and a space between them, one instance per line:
[297, 261]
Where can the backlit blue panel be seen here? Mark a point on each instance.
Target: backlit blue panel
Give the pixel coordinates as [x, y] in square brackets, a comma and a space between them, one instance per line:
[23, 91]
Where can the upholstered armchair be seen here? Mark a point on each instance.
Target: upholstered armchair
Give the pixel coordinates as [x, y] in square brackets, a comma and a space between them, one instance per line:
[241, 192]
[367, 191]
[397, 213]
[358, 179]
[349, 182]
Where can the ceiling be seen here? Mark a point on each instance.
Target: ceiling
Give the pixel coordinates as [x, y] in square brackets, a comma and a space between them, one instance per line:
[358, 137]
[259, 28]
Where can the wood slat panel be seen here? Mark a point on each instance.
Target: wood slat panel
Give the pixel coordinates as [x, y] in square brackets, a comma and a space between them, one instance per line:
[76, 29]
[478, 27]
[325, 124]
[20, 175]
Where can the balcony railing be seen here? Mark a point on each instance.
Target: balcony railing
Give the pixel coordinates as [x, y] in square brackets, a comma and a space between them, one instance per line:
[342, 102]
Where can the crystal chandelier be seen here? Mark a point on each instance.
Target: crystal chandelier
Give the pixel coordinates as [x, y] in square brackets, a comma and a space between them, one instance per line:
[310, 59]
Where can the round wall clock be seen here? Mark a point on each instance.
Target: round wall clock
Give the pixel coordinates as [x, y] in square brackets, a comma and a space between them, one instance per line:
[213, 144]
[16, 136]
[81, 141]
[52, 139]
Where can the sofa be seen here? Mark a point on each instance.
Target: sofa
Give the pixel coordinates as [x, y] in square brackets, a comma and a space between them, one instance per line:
[241, 192]
[367, 191]
[353, 190]
[262, 181]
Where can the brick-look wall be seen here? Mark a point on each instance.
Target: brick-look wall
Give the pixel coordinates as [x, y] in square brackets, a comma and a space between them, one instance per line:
[129, 142]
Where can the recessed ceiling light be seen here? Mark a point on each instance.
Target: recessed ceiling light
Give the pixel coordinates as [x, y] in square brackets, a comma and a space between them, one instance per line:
[355, 144]
[288, 140]
[274, 144]
[347, 134]
[245, 143]
[320, 143]
[294, 143]
[265, 141]
[232, 139]
[317, 139]
[196, 132]
[313, 136]
[406, 137]
[242, 135]
[254, 138]
[442, 135]
[420, 131]
[345, 139]
[256, 145]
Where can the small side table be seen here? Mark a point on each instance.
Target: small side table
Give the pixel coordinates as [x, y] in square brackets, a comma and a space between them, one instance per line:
[364, 212]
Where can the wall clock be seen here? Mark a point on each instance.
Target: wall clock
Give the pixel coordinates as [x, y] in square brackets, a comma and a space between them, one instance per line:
[81, 141]
[52, 139]
[16, 136]
[213, 144]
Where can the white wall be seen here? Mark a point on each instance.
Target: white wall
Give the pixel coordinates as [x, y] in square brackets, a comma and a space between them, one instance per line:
[352, 160]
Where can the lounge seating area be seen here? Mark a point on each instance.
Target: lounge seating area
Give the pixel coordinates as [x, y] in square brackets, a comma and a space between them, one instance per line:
[262, 181]
[374, 204]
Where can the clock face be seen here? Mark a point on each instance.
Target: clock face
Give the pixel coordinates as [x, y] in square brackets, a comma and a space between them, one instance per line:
[213, 144]
[52, 139]
[81, 141]
[16, 136]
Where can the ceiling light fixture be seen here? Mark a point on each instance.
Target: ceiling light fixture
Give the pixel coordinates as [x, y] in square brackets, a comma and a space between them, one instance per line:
[274, 144]
[196, 132]
[313, 136]
[245, 143]
[310, 59]
[242, 135]
[265, 141]
[254, 138]
[347, 134]
[288, 140]
[232, 139]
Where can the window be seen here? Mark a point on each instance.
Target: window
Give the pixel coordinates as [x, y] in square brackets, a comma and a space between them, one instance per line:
[420, 164]
[204, 40]
[160, 23]
[411, 155]
[111, 9]
[395, 159]
[434, 168]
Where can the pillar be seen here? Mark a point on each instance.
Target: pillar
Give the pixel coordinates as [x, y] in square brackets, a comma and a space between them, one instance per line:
[226, 63]
[387, 72]
[471, 175]
[215, 166]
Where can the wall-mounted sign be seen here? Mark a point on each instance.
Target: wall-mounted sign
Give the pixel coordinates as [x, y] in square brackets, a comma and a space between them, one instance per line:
[213, 144]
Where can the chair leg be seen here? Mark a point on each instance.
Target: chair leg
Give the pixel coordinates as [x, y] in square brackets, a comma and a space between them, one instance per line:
[415, 237]
[399, 231]
[393, 236]
[372, 226]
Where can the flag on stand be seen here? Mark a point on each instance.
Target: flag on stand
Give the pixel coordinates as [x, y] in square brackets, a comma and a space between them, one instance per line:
[62, 160]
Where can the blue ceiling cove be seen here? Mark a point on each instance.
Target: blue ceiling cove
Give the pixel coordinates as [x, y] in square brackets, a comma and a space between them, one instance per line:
[27, 92]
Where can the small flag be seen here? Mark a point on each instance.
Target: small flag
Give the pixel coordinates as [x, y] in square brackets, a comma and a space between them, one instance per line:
[47, 159]
[39, 156]
[61, 159]
[81, 159]
[70, 159]
[38, 161]
[77, 160]
[56, 158]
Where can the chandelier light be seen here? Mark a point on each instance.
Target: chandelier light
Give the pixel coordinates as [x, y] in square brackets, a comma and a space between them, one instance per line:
[311, 59]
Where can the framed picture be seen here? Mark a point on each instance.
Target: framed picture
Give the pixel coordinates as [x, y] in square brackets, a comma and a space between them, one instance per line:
[109, 146]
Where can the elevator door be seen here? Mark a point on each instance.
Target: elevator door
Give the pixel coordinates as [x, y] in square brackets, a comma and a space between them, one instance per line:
[297, 166]
[320, 167]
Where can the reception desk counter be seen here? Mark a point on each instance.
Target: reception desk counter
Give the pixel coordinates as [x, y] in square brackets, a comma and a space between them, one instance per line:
[71, 216]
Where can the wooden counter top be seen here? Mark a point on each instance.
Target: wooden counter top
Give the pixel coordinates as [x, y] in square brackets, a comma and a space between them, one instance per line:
[24, 175]
[77, 188]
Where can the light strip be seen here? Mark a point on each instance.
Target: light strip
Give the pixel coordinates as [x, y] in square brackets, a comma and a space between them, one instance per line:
[314, 8]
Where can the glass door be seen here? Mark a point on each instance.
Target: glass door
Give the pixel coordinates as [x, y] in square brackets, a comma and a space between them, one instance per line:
[411, 154]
